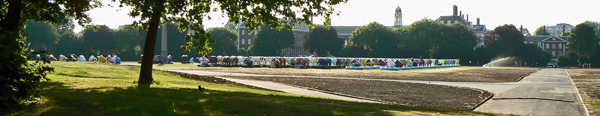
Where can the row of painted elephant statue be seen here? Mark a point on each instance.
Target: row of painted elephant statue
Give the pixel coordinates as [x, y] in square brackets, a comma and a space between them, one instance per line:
[323, 62]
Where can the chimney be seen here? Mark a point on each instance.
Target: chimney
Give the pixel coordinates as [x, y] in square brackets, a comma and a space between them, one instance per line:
[521, 29]
[477, 21]
[563, 28]
[467, 17]
[455, 10]
[544, 27]
[461, 15]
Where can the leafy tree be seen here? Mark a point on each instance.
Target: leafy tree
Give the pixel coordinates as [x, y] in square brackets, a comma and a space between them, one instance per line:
[582, 41]
[19, 78]
[127, 38]
[354, 51]
[595, 25]
[526, 32]
[190, 14]
[269, 41]
[568, 60]
[324, 41]
[41, 35]
[225, 41]
[66, 26]
[457, 41]
[567, 33]
[69, 43]
[375, 38]
[421, 36]
[100, 41]
[507, 41]
[541, 31]
[230, 26]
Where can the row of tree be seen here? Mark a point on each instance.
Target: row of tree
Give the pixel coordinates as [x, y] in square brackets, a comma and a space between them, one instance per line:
[425, 38]
[125, 41]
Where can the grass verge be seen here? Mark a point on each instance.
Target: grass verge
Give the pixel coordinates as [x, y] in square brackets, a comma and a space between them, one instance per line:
[588, 84]
[104, 89]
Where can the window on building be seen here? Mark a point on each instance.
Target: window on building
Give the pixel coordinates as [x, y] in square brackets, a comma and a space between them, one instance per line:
[243, 32]
[249, 41]
[539, 44]
[243, 41]
[560, 53]
[559, 46]
[553, 46]
[553, 53]
[547, 46]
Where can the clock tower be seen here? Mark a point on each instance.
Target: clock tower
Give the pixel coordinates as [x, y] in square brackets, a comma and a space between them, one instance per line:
[398, 19]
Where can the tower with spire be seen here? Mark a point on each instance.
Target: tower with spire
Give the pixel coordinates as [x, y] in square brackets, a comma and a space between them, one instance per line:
[398, 19]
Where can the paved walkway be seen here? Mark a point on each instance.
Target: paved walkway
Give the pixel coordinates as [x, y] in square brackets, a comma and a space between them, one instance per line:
[549, 91]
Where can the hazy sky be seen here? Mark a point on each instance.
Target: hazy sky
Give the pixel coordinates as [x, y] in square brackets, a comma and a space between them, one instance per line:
[529, 13]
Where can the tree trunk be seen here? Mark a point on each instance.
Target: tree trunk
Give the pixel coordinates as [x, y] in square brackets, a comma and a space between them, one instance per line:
[145, 78]
[11, 20]
[12, 49]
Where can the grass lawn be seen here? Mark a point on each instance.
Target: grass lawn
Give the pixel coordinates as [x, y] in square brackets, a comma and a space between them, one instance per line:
[84, 89]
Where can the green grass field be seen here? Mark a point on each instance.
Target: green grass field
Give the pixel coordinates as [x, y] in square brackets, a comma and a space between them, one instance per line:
[102, 89]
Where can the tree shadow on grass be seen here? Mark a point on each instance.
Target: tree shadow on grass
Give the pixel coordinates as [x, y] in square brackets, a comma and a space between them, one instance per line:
[161, 101]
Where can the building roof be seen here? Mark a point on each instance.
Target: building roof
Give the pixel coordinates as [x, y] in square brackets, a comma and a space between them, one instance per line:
[452, 19]
[539, 38]
[479, 28]
[398, 9]
[345, 29]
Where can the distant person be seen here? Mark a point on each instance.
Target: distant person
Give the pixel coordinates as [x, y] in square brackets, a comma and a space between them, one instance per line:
[191, 60]
[169, 59]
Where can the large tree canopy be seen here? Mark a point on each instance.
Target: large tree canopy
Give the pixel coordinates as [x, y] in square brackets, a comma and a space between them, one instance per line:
[191, 13]
[324, 41]
[269, 41]
[583, 40]
[457, 41]
[41, 35]
[506, 40]
[541, 31]
[225, 41]
[375, 38]
[20, 78]
[100, 41]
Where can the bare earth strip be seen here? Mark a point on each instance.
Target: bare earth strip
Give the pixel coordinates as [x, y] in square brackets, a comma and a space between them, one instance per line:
[456, 74]
[412, 94]
[588, 84]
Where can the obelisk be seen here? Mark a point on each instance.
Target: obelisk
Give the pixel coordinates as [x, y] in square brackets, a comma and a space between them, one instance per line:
[163, 45]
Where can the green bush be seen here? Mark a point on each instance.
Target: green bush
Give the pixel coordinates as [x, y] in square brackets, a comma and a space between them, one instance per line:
[568, 60]
[19, 78]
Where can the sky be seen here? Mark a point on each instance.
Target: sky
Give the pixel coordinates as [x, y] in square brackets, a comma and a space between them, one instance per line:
[492, 13]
